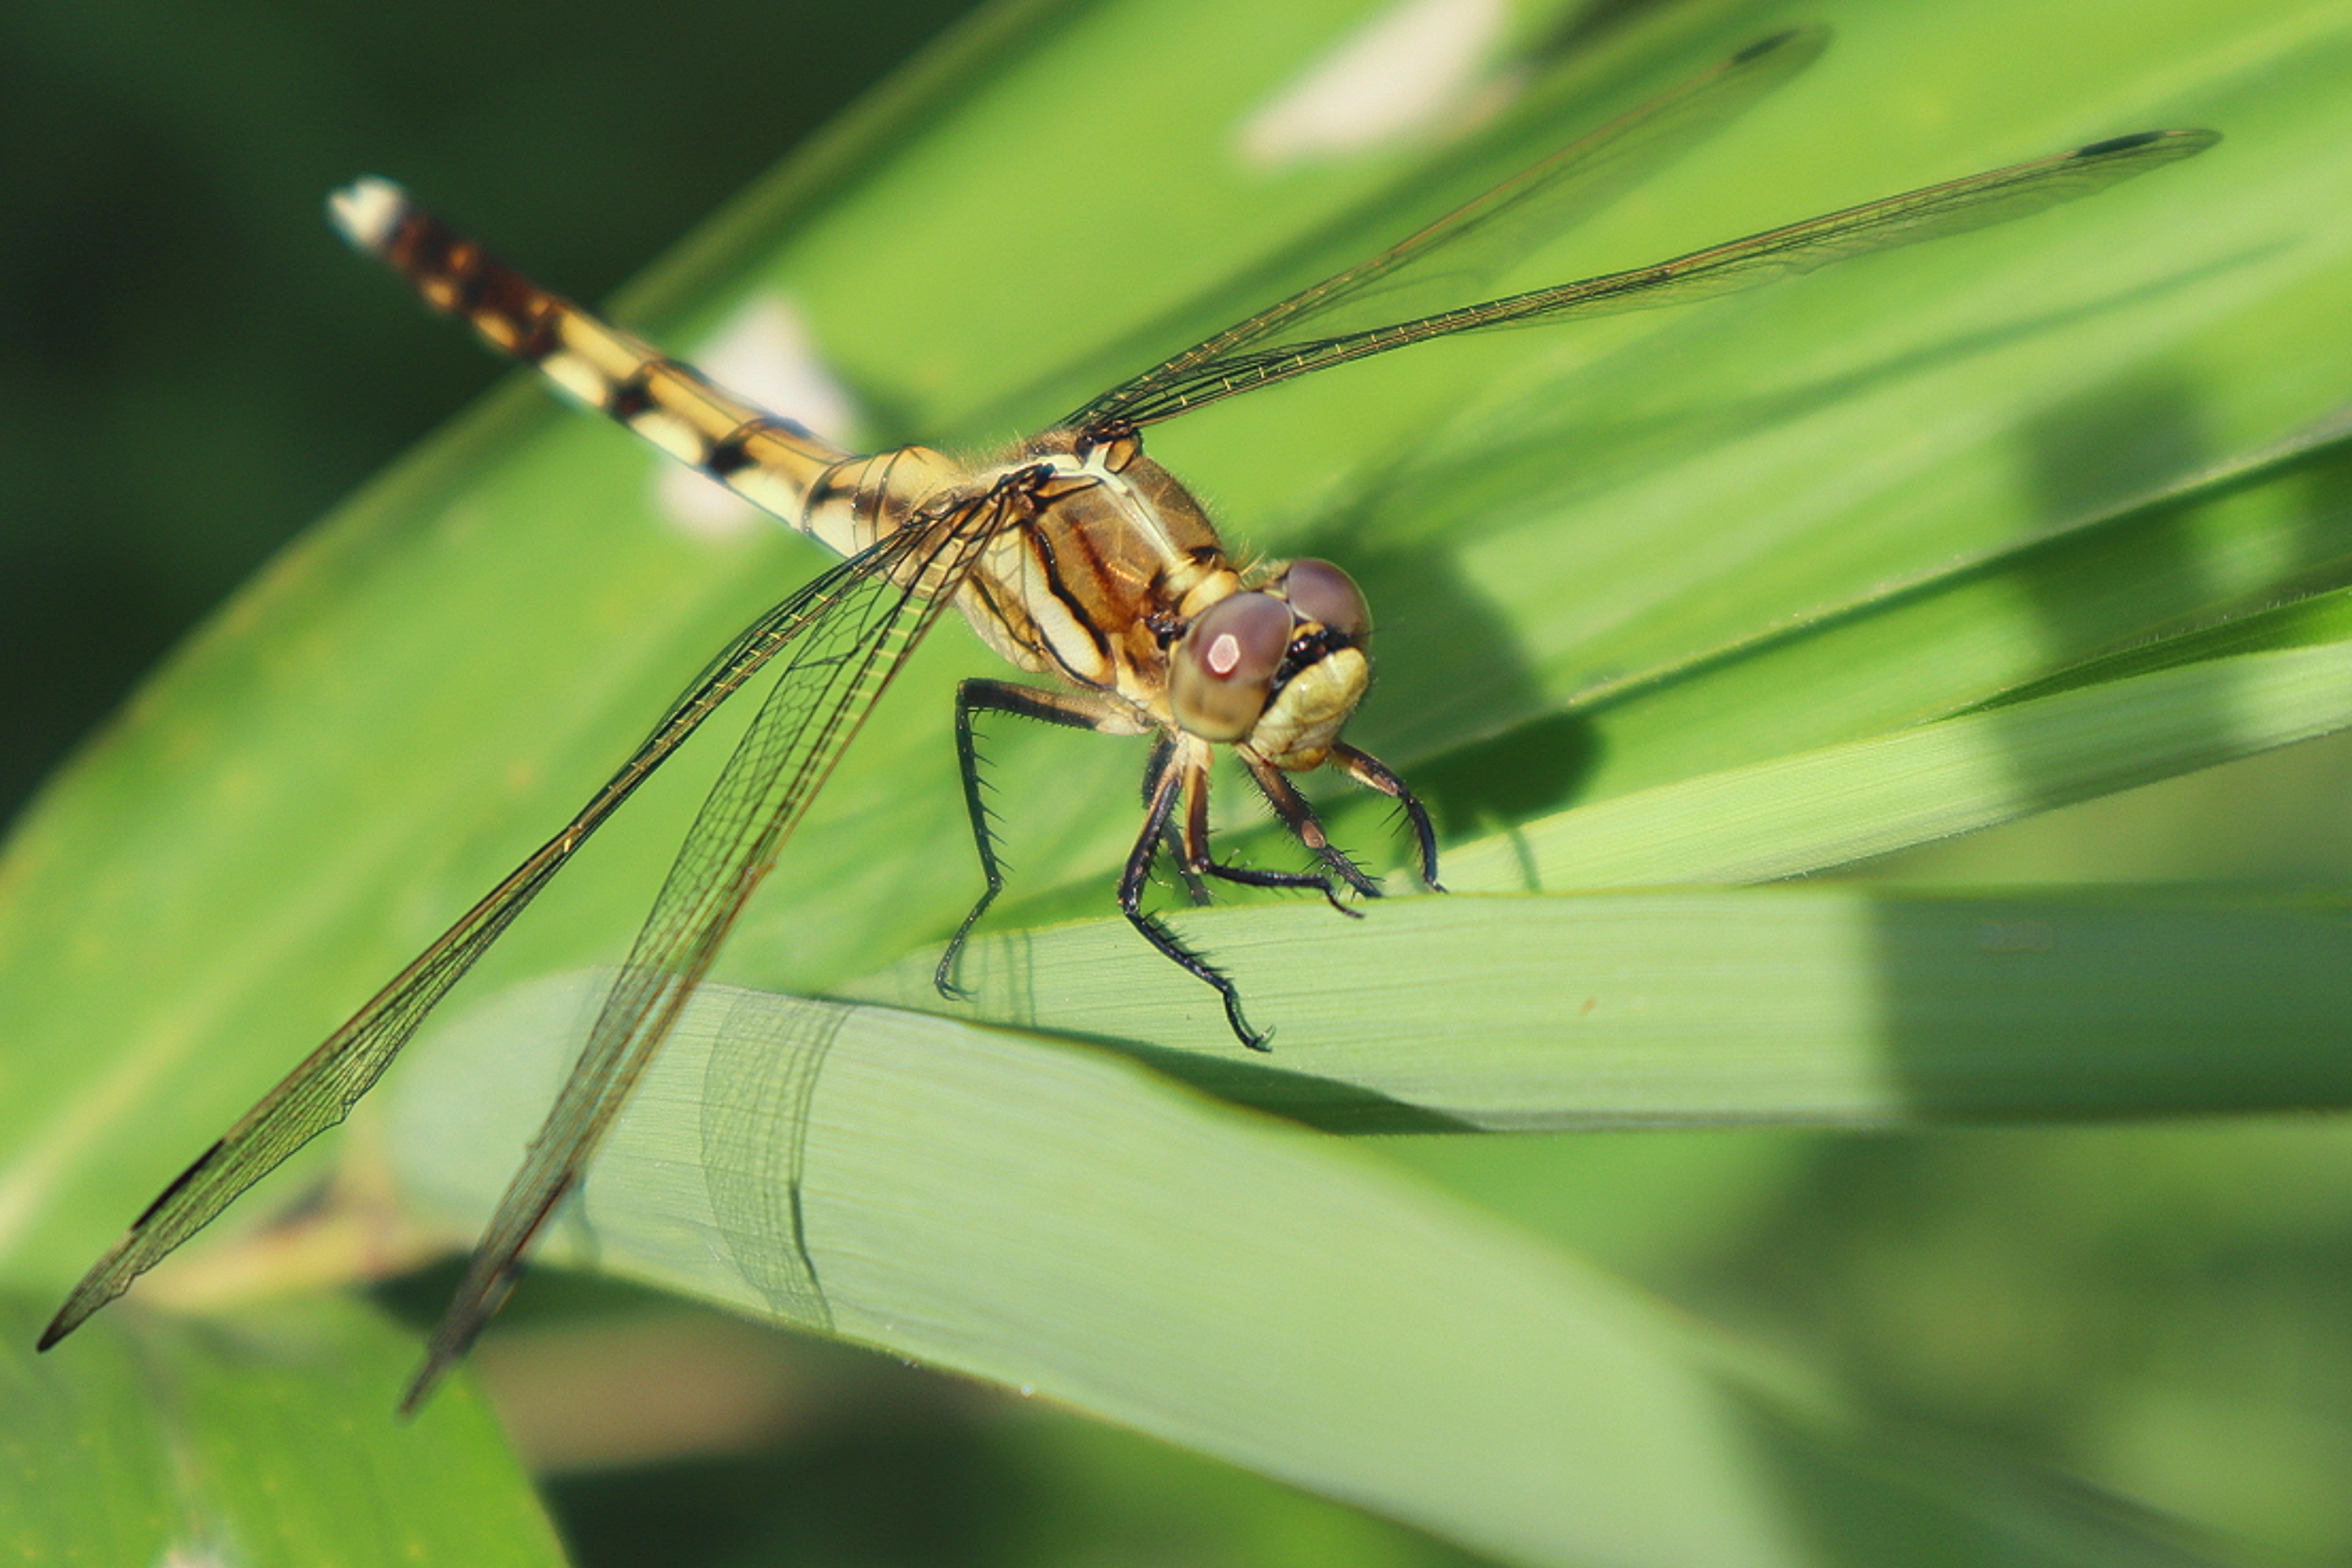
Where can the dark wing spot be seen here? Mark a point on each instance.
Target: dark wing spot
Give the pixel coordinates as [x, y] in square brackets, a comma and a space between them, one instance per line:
[1762, 46]
[2117, 144]
[178, 1182]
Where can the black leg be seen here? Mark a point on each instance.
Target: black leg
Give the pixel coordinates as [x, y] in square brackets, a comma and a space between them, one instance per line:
[1072, 710]
[1196, 856]
[1373, 775]
[1161, 750]
[1299, 818]
[1194, 887]
[1161, 805]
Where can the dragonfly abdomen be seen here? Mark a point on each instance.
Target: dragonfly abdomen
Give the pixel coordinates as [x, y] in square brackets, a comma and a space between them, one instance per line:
[771, 461]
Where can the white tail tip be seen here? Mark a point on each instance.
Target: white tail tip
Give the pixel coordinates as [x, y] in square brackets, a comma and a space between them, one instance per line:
[367, 212]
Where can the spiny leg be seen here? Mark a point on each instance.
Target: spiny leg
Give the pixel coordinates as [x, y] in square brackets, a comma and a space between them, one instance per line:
[1160, 806]
[1197, 859]
[1194, 887]
[1299, 818]
[1071, 709]
[1373, 775]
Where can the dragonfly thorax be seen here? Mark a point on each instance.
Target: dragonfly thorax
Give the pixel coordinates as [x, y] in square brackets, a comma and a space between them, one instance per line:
[1100, 573]
[1118, 582]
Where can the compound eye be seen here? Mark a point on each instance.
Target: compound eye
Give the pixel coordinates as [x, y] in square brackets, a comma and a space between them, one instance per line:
[1319, 591]
[1226, 663]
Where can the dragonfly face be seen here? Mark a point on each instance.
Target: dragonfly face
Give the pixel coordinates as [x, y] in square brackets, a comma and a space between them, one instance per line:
[1075, 556]
[1278, 670]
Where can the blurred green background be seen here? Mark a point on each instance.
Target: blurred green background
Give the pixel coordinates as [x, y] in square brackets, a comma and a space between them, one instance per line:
[192, 373]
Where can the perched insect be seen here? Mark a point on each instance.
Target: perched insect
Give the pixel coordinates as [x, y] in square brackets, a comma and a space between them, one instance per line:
[1074, 556]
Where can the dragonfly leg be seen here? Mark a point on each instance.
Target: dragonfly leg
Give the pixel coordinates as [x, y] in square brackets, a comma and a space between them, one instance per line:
[1197, 859]
[1160, 808]
[1373, 775]
[1072, 710]
[1299, 818]
[1195, 888]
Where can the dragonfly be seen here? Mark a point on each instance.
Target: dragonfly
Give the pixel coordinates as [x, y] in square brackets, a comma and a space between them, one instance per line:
[1072, 555]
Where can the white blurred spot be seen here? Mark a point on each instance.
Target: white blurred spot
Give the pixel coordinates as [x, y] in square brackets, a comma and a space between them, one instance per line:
[366, 210]
[1399, 72]
[765, 353]
[185, 1554]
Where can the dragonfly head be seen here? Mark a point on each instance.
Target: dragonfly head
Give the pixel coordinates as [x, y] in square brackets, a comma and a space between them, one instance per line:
[1280, 668]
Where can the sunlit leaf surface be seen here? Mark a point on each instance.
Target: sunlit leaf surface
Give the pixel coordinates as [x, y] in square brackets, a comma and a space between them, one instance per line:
[1077, 1227]
[1820, 1003]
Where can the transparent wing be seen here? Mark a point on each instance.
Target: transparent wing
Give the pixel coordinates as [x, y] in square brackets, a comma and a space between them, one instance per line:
[1456, 259]
[834, 673]
[1293, 337]
[321, 1091]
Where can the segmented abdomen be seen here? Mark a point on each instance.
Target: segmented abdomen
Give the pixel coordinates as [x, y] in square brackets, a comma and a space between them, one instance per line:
[771, 461]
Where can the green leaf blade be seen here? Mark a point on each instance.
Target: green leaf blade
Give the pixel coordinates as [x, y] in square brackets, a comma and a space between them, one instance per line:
[153, 1441]
[1840, 1005]
[1073, 1226]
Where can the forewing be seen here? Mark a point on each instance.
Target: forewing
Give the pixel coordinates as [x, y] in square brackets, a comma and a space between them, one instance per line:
[1956, 206]
[838, 666]
[321, 1091]
[1484, 203]
[1456, 260]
